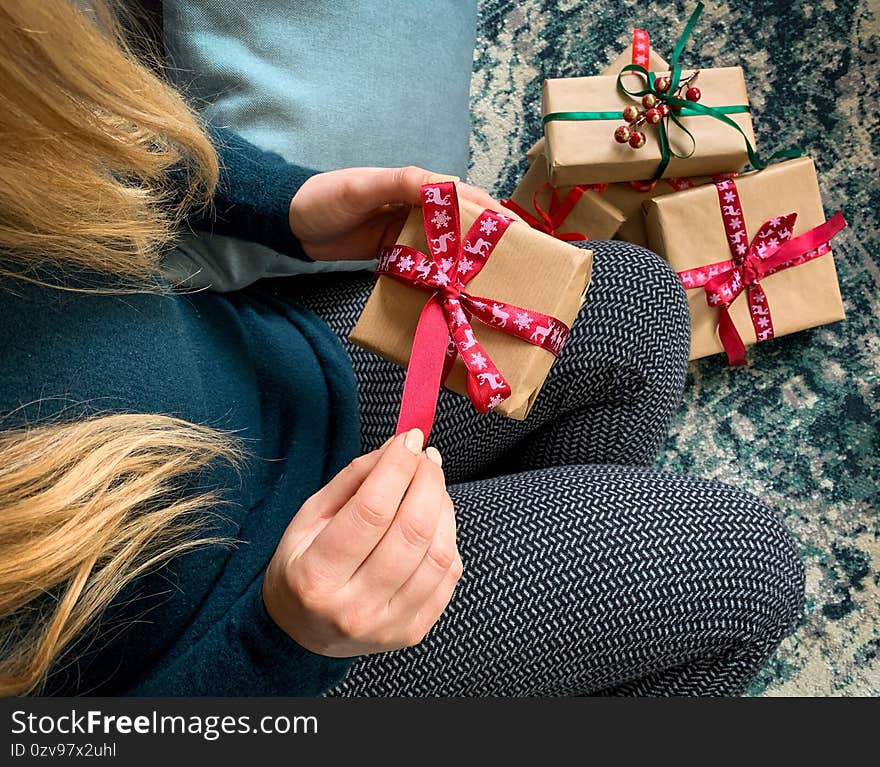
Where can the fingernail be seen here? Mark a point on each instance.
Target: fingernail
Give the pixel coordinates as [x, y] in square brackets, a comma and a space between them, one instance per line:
[434, 455]
[414, 441]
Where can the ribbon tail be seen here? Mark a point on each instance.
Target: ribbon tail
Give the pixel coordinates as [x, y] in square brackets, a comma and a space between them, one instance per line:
[760, 312]
[425, 371]
[730, 339]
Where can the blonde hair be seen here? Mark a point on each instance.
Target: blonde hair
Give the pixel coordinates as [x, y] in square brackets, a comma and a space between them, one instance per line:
[85, 506]
[88, 139]
[88, 136]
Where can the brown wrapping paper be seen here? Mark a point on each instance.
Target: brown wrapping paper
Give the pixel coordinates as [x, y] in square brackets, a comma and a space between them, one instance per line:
[687, 230]
[584, 151]
[527, 268]
[630, 201]
[592, 215]
[657, 64]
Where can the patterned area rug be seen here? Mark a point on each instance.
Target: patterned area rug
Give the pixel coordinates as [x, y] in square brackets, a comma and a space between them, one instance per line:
[799, 426]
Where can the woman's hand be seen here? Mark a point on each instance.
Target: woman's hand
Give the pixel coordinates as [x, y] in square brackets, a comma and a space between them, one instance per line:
[369, 562]
[354, 212]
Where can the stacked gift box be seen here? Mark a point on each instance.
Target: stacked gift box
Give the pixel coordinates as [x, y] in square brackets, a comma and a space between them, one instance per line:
[654, 153]
[649, 152]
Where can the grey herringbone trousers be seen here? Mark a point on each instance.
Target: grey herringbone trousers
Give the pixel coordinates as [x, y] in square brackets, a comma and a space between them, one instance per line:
[585, 571]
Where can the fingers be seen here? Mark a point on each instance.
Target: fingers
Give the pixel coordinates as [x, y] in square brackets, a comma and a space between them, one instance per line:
[319, 508]
[485, 200]
[433, 608]
[341, 547]
[371, 188]
[339, 490]
[433, 568]
[366, 190]
[410, 535]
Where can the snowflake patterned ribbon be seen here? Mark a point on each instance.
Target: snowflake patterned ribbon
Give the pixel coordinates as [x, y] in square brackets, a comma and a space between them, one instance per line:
[773, 250]
[641, 48]
[444, 331]
[560, 209]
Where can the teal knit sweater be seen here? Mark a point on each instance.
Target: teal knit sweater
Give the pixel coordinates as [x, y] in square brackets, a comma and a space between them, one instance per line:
[256, 365]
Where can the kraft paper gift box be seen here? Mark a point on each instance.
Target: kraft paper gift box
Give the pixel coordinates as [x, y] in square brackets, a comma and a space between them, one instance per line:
[630, 202]
[527, 268]
[687, 229]
[591, 216]
[584, 151]
[657, 64]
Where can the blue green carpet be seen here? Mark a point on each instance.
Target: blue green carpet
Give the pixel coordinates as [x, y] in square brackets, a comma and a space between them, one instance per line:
[799, 426]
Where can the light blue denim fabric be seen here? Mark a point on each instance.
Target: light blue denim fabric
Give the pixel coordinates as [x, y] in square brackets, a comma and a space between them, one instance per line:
[326, 84]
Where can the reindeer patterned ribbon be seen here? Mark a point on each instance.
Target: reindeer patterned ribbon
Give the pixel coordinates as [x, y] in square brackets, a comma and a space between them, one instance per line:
[444, 330]
[773, 249]
[560, 209]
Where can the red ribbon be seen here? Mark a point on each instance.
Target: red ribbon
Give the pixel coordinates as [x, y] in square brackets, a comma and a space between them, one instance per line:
[773, 249]
[677, 184]
[444, 330]
[560, 209]
[641, 56]
[641, 48]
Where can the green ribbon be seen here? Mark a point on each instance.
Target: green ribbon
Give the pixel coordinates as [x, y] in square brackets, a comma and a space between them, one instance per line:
[686, 108]
[685, 112]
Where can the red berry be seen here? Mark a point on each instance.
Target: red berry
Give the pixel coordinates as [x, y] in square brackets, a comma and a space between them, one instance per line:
[664, 109]
[661, 84]
[677, 109]
[630, 114]
[653, 115]
[649, 100]
[622, 134]
[693, 94]
[637, 140]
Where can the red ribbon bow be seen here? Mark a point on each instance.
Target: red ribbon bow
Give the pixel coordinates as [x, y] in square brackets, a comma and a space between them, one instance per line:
[773, 249]
[444, 330]
[560, 209]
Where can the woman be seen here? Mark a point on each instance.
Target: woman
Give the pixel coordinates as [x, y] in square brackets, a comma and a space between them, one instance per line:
[183, 508]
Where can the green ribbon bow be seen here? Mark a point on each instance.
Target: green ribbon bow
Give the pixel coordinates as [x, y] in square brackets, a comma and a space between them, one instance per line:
[686, 108]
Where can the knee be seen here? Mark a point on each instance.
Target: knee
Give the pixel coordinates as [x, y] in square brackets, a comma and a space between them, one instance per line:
[765, 571]
[659, 296]
[643, 292]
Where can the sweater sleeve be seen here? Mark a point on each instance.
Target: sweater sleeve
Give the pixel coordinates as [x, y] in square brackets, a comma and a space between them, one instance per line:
[243, 654]
[253, 195]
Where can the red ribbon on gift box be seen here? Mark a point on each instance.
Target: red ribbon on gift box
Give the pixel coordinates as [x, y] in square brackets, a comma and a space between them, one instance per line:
[641, 48]
[677, 184]
[560, 209]
[773, 250]
[641, 56]
[444, 331]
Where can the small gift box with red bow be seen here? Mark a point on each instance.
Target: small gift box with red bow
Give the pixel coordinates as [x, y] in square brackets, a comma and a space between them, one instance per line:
[754, 255]
[569, 213]
[643, 123]
[458, 301]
